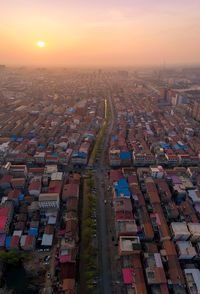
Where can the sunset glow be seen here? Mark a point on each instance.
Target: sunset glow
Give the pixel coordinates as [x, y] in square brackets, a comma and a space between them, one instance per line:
[41, 44]
[122, 32]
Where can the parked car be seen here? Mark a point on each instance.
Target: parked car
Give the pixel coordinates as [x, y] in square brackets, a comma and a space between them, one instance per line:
[47, 258]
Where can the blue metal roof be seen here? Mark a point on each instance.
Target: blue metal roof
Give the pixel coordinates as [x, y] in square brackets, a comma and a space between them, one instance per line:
[8, 241]
[33, 231]
[165, 146]
[183, 147]
[123, 183]
[114, 138]
[176, 147]
[13, 138]
[21, 197]
[81, 154]
[125, 155]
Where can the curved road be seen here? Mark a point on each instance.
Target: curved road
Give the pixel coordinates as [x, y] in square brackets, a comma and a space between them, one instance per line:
[100, 175]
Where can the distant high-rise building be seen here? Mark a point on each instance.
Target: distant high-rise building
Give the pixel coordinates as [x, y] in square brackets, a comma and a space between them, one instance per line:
[163, 93]
[196, 110]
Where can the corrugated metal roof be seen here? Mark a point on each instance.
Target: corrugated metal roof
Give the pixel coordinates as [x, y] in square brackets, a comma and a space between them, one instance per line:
[47, 240]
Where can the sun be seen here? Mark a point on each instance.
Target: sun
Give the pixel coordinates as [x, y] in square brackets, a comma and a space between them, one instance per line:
[41, 44]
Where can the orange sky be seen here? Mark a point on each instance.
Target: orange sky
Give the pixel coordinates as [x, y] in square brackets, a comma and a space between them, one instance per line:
[128, 32]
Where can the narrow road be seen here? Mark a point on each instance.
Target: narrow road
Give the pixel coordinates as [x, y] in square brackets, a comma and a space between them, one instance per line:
[102, 165]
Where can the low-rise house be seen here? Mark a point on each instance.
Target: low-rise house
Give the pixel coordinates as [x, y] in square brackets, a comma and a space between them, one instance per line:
[68, 286]
[40, 157]
[154, 269]
[70, 191]
[49, 201]
[35, 171]
[56, 176]
[50, 169]
[179, 231]
[129, 245]
[126, 228]
[133, 276]
[194, 230]
[18, 171]
[186, 209]
[34, 188]
[47, 240]
[14, 196]
[18, 183]
[72, 205]
[55, 187]
[175, 275]
[6, 214]
[14, 244]
[71, 231]
[185, 250]
[192, 276]
[157, 172]
[161, 224]
[171, 211]
[32, 208]
[29, 243]
[194, 196]
[5, 182]
[49, 230]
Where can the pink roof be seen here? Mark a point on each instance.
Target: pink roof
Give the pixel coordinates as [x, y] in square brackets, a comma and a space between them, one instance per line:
[3, 219]
[56, 189]
[158, 260]
[127, 275]
[65, 258]
[157, 217]
[69, 151]
[61, 232]
[4, 211]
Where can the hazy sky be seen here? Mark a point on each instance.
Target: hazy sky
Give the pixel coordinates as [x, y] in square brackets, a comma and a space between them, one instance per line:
[103, 32]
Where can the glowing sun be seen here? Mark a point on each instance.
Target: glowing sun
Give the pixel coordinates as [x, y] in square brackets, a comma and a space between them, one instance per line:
[41, 44]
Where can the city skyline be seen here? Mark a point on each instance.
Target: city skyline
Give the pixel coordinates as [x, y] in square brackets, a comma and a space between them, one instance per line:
[113, 33]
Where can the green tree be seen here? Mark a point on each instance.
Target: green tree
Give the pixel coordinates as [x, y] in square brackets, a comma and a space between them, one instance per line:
[88, 222]
[87, 233]
[10, 258]
[90, 183]
[90, 174]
